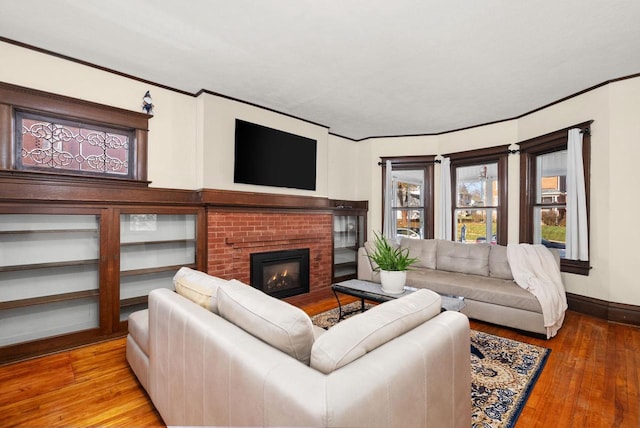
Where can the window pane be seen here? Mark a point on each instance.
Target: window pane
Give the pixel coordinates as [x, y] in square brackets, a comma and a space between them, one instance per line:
[550, 227]
[477, 185]
[474, 226]
[552, 178]
[50, 144]
[407, 186]
[410, 223]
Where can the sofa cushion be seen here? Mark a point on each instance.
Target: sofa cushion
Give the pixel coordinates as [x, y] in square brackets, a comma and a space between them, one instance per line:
[274, 321]
[139, 329]
[464, 258]
[200, 288]
[496, 291]
[362, 333]
[422, 249]
[498, 263]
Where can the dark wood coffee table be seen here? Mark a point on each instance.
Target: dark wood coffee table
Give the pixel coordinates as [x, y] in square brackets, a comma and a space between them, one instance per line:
[366, 290]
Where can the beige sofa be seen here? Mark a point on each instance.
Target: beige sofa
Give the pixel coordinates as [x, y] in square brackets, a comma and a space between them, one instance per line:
[478, 272]
[221, 353]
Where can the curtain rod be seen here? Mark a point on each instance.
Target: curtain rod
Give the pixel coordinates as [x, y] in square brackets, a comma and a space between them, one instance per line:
[400, 163]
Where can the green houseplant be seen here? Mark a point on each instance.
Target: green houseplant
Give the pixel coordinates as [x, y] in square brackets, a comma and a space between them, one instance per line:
[392, 262]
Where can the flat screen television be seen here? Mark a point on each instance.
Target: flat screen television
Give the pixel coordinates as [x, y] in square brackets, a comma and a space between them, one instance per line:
[269, 157]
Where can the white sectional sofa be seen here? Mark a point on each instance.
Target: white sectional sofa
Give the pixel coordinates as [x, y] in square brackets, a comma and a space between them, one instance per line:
[478, 272]
[229, 355]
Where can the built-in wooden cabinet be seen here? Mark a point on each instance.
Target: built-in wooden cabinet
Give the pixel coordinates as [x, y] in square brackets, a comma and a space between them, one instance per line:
[49, 275]
[349, 229]
[153, 246]
[72, 275]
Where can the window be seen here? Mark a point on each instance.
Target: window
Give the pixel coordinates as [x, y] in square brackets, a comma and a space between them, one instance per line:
[543, 192]
[411, 198]
[479, 183]
[48, 136]
[46, 143]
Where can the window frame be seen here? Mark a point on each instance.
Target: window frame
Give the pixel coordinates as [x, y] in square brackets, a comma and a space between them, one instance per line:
[496, 154]
[529, 151]
[424, 163]
[15, 99]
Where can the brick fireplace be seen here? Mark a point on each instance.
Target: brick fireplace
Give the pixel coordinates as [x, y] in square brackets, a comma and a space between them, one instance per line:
[235, 234]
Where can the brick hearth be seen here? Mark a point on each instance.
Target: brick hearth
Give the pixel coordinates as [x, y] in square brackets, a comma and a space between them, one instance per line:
[234, 235]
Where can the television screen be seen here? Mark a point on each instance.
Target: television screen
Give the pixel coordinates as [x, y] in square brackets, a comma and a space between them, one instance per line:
[269, 157]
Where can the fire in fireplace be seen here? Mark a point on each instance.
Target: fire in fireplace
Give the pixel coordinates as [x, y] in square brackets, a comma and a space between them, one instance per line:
[281, 273]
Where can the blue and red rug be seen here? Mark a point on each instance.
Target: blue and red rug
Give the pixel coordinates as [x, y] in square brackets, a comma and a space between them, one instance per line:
[503, 373]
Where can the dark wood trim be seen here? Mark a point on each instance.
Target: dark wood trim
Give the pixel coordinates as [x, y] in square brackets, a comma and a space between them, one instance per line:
[424, 163]
[480, 125]
[413, 161]
[48, 265]
[43, 300]
[230, 198]
[53, 344]
[529, 150]
[219, 95]
[159, 85]
[29, 99]
[500, 155]
[17, 186]
[341, 204]
[6, 137]
[134, 272]
[89, 64]
[17, 99]
[610, 311]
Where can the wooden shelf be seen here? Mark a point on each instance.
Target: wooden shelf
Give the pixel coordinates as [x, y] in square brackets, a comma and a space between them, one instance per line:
[168, 241]
[14, 268]
[133, 301]
[13, 304]
[174, 268]
[32, 231]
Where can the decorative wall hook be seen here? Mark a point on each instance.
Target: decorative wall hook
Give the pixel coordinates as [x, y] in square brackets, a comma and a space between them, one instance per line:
[147, 103]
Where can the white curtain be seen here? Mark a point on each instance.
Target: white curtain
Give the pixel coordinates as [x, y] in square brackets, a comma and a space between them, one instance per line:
[577, 247]
[445, 200]
[389, 224]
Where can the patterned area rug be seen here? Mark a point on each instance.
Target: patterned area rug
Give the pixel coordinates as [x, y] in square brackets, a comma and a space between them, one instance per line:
[503, 373]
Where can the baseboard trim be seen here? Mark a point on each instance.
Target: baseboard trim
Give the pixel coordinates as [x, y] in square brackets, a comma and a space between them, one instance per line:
[610, 311]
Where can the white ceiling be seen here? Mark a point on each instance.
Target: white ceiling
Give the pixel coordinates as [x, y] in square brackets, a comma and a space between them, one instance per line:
[361, 67]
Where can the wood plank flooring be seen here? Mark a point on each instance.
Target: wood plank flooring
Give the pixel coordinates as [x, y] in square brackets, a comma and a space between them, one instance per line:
[591, 379]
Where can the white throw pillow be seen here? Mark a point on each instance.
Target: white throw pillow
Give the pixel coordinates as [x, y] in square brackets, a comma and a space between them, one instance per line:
[362, 333]
[276, 322]
[199, 287]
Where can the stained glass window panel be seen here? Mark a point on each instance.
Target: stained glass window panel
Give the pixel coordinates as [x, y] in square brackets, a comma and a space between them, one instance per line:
[47, 143]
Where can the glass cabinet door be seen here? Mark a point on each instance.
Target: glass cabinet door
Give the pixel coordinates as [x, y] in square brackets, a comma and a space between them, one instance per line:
[348, 233]
[152, 248]
[49, 275]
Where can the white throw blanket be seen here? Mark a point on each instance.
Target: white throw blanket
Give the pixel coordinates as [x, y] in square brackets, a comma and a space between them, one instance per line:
[534, 268]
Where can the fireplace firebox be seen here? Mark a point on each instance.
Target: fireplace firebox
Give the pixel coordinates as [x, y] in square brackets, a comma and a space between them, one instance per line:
[281, 273]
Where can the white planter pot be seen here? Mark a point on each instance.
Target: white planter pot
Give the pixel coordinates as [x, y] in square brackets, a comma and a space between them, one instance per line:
[393, 281]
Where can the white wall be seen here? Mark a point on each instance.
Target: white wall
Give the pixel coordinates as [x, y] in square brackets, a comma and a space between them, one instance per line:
[191, 147]
[172, 130]
[615, 199]
[621, 196]
[218, 117]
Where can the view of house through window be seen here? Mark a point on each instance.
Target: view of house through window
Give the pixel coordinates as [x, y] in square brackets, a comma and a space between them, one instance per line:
[408, 203]
[549, 211]
[475, 214]
[545, 194]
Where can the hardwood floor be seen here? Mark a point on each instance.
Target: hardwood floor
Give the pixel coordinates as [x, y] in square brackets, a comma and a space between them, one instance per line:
[591, 379]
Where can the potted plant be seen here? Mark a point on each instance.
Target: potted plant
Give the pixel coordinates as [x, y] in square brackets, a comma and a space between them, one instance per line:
[392, 262]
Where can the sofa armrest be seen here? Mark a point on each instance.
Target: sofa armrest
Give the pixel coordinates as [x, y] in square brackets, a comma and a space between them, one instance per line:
[365, 270]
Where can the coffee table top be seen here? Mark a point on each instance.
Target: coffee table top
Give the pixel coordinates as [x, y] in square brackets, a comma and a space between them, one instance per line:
[373, 291]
